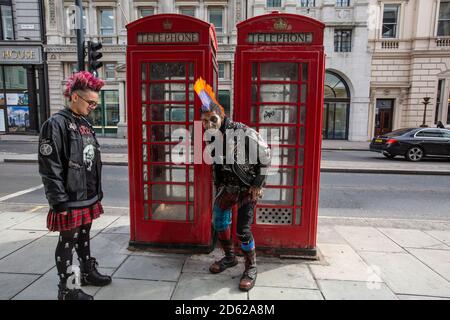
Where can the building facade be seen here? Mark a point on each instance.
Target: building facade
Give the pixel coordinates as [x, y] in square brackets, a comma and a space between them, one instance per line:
[23, 79]
[410, 43]
[348, 60]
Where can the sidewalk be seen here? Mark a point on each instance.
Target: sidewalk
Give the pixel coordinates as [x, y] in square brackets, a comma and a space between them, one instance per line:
[360, 259]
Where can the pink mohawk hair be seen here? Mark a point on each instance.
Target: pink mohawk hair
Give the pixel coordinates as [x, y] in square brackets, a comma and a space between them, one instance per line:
[83, 80]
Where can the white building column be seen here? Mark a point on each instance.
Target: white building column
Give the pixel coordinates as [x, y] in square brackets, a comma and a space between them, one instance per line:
[122, 125]
[358, 124]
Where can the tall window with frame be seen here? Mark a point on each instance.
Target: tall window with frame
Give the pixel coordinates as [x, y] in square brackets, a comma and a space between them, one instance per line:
[342, 3]
[342, 40]
[307, 3]
[440, 92]
[7, 25]
[71, 22]
[274, 3]
[444, 19]
[390, 21]
[145, 11]
[188, 11]
[216, 18]
[221, 70]
[106, 24]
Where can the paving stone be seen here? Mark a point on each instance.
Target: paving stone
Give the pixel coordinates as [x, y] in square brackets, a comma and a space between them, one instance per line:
[151, 268]
[208, 287]
[9, 219]
[126, 289]
[355, 290]
[367, 239]
[12, 283]
[12, 240]
[292, 275]
[35, 258]
[274, 293]
[412, 238]
[441, 235]
[46, 288]
[38, 223]
[121, 225]
[343, 263]
[405, 274]
[438, 260]
[110, 250]
[327, 234]
[98, 225]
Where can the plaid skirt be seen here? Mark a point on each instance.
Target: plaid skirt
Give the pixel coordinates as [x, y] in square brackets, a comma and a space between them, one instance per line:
[73, 218]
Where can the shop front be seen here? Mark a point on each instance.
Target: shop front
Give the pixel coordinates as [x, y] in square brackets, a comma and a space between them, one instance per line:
[22, 89]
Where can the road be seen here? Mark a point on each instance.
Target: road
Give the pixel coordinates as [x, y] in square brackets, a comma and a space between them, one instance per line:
[341, 194]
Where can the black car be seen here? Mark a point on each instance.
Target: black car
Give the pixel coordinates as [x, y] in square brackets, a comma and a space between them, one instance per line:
[413, 143]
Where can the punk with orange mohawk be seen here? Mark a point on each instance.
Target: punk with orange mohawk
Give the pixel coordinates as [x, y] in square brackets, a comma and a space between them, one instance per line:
[235, 184]
[70, 167]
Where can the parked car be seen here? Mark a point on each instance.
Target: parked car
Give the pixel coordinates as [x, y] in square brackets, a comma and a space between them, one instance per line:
[413, 143]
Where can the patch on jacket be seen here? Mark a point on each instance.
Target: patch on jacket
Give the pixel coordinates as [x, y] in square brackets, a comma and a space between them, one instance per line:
[45, 149]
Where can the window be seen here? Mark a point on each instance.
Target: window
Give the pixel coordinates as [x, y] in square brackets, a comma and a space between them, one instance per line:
[15, 77]
[444, 19]
[342, 3]
[440, 91]
[188, 11]
[110, 71]
[342, 40]
[216, 18]
[146, 11]
[221, 70]
[274, 3]
[430, 133]
[7, 29]
[307, 3]
[71, 22]
[390, 21]
[107, 21]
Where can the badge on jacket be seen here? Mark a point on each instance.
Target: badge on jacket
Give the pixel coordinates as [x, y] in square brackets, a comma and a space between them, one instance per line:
[73, 126]
[45, 149]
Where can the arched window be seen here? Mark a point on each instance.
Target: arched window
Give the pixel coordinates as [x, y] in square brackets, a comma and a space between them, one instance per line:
[336, 107]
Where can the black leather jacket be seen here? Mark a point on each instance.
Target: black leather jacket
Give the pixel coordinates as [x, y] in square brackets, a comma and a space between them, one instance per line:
[248, 174]
[61, 166]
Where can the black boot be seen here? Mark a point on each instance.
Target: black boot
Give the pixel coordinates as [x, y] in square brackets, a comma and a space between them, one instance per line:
[230, 259]
[90, 274]
[248, 278]
[65, 293]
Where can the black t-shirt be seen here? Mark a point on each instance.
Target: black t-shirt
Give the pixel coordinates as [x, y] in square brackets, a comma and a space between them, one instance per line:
[91, 156]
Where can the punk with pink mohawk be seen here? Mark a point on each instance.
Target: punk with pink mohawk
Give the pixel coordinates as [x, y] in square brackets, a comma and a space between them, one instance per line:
[82, 80]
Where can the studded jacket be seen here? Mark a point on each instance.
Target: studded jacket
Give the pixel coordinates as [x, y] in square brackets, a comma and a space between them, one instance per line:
[248, 173]
[61, 165]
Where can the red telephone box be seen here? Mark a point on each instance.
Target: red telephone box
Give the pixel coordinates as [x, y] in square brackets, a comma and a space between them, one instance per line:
[170, 206]
[279, 79]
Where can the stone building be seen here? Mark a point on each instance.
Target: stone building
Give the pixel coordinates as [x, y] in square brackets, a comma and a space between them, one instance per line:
[23, 79]
[410, 43]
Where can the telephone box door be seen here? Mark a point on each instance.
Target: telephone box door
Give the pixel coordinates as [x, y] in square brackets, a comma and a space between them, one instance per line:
[169, 196]
[280, 100]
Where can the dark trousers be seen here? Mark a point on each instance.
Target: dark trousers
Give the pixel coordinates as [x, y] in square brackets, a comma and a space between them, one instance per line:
[226, 198]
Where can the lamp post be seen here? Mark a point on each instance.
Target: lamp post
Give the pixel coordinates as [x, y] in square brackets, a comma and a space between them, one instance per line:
[425, 101]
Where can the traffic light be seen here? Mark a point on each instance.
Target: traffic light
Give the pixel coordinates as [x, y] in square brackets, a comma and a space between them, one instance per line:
[94, 56]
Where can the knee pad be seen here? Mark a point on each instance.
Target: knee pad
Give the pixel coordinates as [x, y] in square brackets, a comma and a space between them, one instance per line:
[221, 218]
[248, 246]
